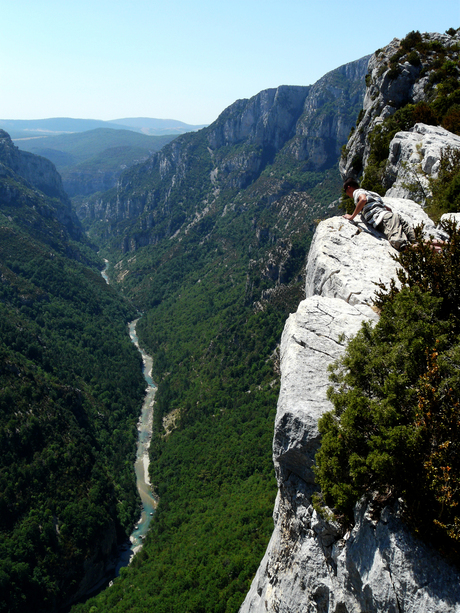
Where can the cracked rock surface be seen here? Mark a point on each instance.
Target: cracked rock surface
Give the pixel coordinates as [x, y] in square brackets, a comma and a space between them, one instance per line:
[309, 565]
[415, 156]
[348, 258]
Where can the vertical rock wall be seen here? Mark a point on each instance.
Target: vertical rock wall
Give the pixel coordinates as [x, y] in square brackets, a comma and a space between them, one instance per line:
[309, 565]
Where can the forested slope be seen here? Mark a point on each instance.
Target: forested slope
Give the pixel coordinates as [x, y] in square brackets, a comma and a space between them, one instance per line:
[70, 392]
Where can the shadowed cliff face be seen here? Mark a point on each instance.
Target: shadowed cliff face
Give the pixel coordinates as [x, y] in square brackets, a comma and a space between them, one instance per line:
[290, 129]
[38, 171]
[39, 174]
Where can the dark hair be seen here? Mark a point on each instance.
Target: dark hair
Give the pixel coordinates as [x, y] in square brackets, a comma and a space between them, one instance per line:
[350, 183]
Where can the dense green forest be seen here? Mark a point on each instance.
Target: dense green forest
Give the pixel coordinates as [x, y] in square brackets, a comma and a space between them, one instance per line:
[214, 344]
[70, 391]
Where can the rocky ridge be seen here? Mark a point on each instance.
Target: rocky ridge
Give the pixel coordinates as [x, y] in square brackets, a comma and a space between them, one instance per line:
[393, 82]
[201, 173]
[414, 159]
[377, 566]
[309, 563]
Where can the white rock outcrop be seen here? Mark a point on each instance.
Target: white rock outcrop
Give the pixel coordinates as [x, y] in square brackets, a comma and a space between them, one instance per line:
[414, 157]
[309, 565]
[451, 217]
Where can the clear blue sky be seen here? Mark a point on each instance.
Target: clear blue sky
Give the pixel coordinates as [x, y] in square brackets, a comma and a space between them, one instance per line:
[186, 60]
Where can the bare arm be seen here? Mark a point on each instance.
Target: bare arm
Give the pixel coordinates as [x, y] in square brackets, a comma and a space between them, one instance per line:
[362, 200]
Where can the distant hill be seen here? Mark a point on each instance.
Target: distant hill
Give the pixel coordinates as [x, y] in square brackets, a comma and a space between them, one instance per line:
[92, 161]
[147, 125]
[82, 146]
[28, 128]
[90, 154]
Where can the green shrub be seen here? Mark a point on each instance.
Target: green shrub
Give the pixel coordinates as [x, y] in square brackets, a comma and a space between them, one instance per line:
[446, 187]
[412, 40]
[394, 72]
[414, 58]
[394, 431]
[451, 120]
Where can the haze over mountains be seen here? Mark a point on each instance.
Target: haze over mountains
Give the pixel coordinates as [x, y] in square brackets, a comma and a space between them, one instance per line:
[91, 161]
[28, 128]
[91, 154]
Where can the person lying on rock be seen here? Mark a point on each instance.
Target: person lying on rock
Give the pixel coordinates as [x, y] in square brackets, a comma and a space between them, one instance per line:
[374, 212]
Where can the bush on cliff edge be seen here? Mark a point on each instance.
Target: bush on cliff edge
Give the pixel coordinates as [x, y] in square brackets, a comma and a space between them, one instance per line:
[394, 431]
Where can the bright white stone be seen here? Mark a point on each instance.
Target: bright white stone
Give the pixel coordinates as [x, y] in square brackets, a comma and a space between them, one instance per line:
[414, 157]
[310, 342]
[308, 566]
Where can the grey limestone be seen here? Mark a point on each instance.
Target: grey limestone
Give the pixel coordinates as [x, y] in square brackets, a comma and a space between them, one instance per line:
[310, 565]
[415, 157]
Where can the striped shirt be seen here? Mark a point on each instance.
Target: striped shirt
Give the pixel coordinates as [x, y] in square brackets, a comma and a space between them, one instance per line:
[374, 211]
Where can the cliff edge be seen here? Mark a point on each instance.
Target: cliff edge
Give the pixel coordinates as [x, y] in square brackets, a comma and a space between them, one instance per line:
[309, 564]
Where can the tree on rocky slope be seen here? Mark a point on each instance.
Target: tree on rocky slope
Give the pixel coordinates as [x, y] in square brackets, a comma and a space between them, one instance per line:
[394, 431]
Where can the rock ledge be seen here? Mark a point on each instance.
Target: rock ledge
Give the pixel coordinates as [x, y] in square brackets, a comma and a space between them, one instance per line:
[309, 565]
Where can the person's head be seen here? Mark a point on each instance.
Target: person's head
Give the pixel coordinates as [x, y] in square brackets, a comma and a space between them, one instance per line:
[349, 186]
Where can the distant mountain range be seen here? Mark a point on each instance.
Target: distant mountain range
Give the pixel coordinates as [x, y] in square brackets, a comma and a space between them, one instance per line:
[90, 154]
[29, 128]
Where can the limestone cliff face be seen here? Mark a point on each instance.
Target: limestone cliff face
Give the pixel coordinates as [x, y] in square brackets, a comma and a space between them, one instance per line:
[414, 158]
[267, 119]
[378, 566]
[41, 175]
[85, 183]
[201, 172]
[329, 112]
[309, 564]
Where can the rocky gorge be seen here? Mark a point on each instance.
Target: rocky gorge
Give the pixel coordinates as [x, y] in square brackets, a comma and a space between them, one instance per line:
[208, 239]
[311, 563]
[283, 129]
[224, 218]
